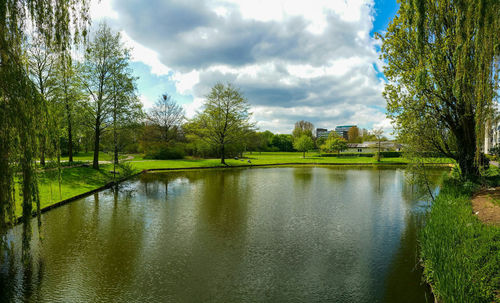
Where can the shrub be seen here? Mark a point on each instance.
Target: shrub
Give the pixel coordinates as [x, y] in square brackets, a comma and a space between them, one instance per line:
[166, 153]
[347, 155]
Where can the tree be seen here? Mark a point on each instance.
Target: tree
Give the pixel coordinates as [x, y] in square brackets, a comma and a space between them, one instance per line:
[335, 144]
[442, 69]
[282, 142]
[353, 134]
[106, 60]
[126, 107]
[303, 144]
[41, 62]
[303, 128]
[168, 116]
[378, 133]
[20, 103]
[224, 119]
[68, 93]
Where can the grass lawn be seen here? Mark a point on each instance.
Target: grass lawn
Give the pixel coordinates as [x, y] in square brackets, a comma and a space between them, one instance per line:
[269, 158]
[89, 156]
[460, 254]
[74, 181]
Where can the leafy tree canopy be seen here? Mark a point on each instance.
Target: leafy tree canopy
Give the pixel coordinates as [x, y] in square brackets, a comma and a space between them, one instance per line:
[442, 66]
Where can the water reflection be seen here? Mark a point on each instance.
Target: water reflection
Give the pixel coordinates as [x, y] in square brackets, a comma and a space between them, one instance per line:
[260, 235]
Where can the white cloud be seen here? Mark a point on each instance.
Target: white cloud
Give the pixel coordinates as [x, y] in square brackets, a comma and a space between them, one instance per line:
[146, 101]
[145, 55]
[184, 82]
[293, 60]
[193, 107]
[102, 9]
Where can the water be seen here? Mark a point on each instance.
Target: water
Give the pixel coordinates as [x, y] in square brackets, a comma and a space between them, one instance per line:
[295, 234]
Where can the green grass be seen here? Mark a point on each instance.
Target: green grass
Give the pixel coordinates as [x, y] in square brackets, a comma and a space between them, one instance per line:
[461, 255]
[89, 156]
[269, 159]
[74, 181]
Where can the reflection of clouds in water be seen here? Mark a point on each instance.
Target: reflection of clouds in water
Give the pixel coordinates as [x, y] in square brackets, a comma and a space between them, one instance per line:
[229, 235]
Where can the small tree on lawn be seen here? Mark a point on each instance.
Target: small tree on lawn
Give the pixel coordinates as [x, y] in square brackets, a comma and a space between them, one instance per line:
[303, 144]
[335, 144]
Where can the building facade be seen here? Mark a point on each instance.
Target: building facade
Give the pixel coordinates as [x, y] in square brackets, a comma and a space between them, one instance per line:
[322, 133]
[491, 137]
[343, 130]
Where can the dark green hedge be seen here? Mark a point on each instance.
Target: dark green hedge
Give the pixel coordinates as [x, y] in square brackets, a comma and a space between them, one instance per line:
[385, 154]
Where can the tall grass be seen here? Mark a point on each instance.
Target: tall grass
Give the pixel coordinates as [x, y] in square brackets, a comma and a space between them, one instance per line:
[460, 254]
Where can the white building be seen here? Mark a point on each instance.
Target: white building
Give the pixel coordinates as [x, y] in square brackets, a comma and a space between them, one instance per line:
[491, 137]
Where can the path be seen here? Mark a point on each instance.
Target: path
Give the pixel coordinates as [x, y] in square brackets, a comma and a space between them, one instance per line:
[486, 206]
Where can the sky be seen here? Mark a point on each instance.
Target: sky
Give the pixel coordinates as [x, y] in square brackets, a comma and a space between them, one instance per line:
[312, 60]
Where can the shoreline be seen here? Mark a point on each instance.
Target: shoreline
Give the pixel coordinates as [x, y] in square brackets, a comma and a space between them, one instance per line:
[108, 185]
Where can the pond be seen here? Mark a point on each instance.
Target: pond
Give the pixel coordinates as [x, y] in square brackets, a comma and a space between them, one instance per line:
[289, 234]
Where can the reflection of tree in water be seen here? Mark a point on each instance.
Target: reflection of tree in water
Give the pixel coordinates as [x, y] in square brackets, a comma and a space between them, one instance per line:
[414, 188]
[223, 202]
[302, 176]
[405, 269]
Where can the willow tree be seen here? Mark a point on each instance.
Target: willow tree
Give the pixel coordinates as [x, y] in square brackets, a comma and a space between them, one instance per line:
[58, 22]
[41, 63]
[442, 69]
[106, 60]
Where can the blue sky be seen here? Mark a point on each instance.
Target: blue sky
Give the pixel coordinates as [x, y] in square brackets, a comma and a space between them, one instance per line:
[293, 60]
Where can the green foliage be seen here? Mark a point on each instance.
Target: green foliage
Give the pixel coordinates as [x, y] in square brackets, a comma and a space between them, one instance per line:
[282, 142]
[165, 152]
[301, 128]
[109, 83]
[303, 144]
[334, 144]
[21, 106]
[442, 67]
[224, 120]
[460, 254]
[385, 154]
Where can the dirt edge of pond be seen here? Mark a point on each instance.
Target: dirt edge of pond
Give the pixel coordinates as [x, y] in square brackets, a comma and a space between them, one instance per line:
[486, 206]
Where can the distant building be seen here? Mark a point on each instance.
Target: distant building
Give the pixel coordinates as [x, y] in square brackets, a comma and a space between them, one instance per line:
[342, 130]
[491, 137]
[360, 148]
[362, 132]
[322, 133]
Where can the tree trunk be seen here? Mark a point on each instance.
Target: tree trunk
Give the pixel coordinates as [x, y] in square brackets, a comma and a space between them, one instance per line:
[222, 154]
[115, 138]
[42, 151]
[466, 157]
[95, 163]
[70, 143]
[70, 134]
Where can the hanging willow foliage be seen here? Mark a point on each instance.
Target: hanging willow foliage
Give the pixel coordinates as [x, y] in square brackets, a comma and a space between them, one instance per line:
[442, 65]
[59, 23]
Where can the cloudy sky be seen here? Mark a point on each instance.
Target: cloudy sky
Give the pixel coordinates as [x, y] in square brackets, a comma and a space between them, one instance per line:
[312, 60]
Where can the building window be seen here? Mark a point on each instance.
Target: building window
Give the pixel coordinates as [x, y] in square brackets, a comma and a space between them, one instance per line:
[360, 150]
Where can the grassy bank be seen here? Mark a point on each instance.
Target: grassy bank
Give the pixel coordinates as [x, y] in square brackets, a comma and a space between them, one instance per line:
[271, 158]
[461, 255]
[78, 180]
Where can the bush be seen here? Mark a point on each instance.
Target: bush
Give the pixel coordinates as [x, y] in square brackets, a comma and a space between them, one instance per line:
[347, 155]
[391, 154]
[166, 153]
[386, 154]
